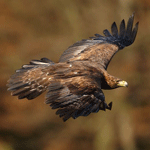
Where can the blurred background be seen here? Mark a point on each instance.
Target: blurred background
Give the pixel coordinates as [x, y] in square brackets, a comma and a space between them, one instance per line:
[35, 29]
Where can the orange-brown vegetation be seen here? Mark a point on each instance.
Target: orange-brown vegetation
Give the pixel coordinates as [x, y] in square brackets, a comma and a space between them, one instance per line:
[35, 29]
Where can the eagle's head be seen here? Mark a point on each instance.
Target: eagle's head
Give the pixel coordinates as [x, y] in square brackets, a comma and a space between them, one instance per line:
[115, 83]
[111, 82]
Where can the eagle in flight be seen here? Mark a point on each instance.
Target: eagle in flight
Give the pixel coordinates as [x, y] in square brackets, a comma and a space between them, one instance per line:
[74, 84]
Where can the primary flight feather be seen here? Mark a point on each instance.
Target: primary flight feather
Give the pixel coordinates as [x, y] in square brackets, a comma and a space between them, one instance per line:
[74, 84]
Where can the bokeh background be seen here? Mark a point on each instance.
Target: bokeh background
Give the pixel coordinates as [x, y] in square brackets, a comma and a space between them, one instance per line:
[45, 28]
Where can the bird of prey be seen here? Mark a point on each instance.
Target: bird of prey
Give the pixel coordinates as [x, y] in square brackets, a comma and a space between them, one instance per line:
[74, 84]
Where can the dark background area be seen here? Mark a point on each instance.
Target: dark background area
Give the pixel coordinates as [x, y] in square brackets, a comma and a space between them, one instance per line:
[35, 29]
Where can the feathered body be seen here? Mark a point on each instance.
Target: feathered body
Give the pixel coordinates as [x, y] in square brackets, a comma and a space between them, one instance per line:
[74, 84]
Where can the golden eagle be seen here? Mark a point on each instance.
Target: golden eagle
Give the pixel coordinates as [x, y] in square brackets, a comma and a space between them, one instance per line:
[74, 84]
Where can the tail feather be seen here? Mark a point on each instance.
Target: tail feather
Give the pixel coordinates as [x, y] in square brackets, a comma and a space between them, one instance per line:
[31, 95]
[18, 91]
[26, 94]
[30, 81]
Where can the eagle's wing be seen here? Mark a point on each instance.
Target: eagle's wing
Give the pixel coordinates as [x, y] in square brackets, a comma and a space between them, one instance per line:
[74, 92]
[102, 48]
[78, 96]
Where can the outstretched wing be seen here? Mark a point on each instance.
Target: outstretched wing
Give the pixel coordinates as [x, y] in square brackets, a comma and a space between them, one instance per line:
[102, 48]
[79, 96]
[72, 89]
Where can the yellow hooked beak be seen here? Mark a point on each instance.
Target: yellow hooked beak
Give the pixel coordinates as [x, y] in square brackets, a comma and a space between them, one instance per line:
[122, 84]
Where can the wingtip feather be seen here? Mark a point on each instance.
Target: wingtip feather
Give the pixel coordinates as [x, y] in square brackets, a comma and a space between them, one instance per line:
[114, 30]
[124, 37]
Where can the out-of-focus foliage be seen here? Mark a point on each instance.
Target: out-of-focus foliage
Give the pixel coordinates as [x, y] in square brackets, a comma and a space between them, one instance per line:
[36, 29]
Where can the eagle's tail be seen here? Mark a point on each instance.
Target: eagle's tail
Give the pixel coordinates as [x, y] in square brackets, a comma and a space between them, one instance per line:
[30, 81]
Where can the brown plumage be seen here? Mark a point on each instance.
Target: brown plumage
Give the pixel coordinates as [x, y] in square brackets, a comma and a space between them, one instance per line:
[74, 85]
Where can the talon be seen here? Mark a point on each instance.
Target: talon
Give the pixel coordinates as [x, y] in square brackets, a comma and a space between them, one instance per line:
[109, 106]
